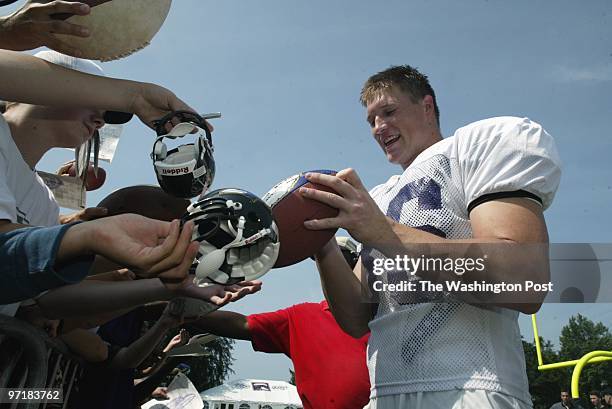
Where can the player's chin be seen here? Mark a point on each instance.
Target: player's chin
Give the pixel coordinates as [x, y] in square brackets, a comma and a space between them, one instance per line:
[394, 159]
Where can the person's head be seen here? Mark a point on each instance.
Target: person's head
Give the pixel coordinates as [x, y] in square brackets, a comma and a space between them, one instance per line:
[595, 398]
[565, 396]
[402, 112]
[607, 396]
[66, 126]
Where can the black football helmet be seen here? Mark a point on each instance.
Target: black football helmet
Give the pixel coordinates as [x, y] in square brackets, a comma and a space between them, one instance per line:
[237, 234]
[187, 170]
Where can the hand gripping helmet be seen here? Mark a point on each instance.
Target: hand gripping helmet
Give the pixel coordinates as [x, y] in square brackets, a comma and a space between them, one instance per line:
[188, 170]
[237, 234]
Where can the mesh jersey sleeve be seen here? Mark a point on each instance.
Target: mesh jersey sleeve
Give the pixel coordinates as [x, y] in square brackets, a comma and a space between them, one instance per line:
[270, 331]
[505, 155]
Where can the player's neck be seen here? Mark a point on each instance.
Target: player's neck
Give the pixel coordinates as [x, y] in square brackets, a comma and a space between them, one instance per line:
[30, 139]
[434, 138]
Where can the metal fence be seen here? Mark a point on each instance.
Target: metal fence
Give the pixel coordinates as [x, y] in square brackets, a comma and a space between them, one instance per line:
[30, 359]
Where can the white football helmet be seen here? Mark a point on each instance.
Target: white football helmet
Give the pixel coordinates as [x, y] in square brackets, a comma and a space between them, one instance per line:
[187, 170]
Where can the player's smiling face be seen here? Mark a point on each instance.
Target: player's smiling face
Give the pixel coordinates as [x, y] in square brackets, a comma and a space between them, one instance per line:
[402, 128]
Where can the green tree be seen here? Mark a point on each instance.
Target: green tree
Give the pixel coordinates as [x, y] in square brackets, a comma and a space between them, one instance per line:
[544, 386]
[579, 337]
[291, 376]
[212, 370]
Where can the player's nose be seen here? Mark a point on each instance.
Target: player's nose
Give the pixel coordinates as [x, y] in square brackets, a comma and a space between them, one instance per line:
[380, 126]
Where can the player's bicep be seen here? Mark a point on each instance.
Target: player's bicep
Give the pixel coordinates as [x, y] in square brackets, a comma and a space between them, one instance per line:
[518, 220]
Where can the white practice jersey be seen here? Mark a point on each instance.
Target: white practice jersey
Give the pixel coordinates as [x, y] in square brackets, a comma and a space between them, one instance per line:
[422, 346]
[24, 197]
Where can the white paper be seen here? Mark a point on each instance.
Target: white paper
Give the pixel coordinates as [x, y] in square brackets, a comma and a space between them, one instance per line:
[182, 394]
[68, 191]
[109, 138]
[195, 347]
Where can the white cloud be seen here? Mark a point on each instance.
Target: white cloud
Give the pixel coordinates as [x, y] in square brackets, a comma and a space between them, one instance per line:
[571, 74]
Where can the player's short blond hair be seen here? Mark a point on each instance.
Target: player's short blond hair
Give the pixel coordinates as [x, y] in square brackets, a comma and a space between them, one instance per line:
[403, 77]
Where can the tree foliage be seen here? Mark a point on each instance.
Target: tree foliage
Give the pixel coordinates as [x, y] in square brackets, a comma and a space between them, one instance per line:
[544, 386]
[210, 371]
[578, 337]
[581, 336]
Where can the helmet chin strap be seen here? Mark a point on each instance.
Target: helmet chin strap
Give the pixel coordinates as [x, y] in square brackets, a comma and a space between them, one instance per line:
[214, 260]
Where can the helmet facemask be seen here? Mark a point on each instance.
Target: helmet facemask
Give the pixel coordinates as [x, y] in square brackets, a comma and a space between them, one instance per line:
[238, 240]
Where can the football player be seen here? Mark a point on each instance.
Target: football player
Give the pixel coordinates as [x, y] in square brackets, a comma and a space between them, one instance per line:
[488, 183]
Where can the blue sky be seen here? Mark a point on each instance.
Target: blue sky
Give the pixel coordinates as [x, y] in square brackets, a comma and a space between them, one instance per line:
[286, 75]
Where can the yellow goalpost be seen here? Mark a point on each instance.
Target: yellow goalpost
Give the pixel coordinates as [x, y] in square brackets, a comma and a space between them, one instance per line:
[578, 364]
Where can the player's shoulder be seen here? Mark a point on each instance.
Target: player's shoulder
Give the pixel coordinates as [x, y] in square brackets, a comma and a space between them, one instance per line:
[496, 130]
[497, 122]
[307, 305]
[392, 181]
[507, 154]
[305, 308]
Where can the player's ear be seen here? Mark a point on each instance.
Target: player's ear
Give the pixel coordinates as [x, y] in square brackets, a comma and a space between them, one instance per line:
[428, 106]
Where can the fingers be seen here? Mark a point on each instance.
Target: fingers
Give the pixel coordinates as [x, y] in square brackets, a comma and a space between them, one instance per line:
[219, 295]
[58, 6]
[59, 11]
[350, 176]
[243, 288]
[344, 182]
[323, 224]
[351, 198]
[252, 286]
[330, 199]
[171, 124]
[332, 181]
[63, 170]
[182, 270]
[125, 275]
[154, 103]
[177, 104]
[92, 213]
[322, 196]
[220, 301]
[172, 250]
[64, 27]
